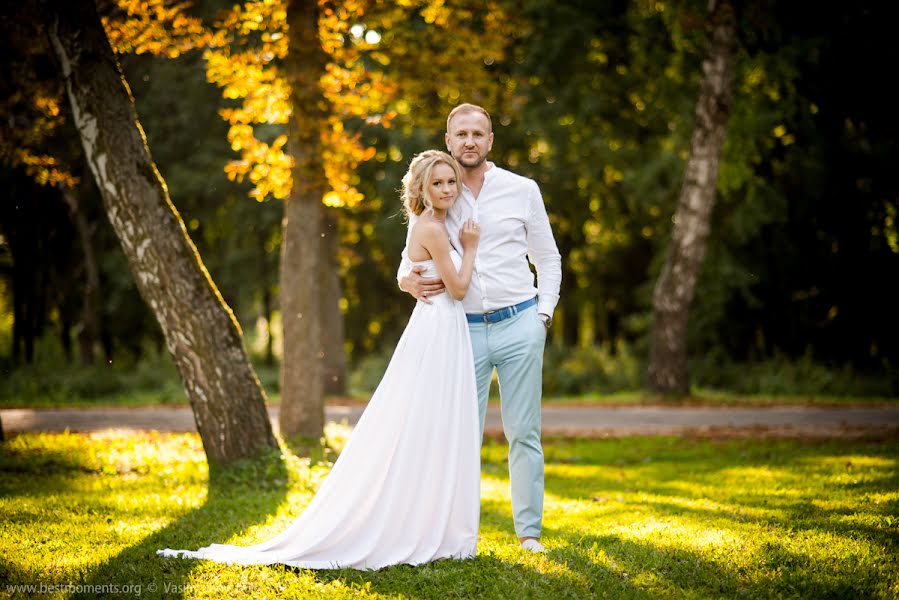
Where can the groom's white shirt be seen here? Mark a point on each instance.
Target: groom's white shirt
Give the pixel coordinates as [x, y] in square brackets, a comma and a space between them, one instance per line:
[514, 229]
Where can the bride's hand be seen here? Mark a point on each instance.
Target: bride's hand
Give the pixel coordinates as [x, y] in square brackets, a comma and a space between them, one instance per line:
[470, 235]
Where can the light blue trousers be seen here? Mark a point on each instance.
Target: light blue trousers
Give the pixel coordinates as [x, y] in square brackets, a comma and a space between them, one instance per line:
[514, 347]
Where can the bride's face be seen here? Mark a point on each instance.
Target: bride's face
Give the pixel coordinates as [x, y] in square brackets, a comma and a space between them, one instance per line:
[442, 187]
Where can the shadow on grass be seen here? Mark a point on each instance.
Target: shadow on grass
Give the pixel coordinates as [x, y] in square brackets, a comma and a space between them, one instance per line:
[508, 573]
[777, 572]
[226, 512]
[653, 470]
[685, 481]
[485, 576]
[611, 560]
[54, 465]
[11, 575]
[597, 565]
[795, 516]
[684, 478]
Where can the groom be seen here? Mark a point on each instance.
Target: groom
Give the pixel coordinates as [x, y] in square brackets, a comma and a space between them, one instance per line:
[507, 316]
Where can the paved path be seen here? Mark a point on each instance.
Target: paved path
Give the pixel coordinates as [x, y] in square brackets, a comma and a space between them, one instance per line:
[572, 420]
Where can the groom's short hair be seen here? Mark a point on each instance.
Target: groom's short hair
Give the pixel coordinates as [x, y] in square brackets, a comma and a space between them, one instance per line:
[464, 109]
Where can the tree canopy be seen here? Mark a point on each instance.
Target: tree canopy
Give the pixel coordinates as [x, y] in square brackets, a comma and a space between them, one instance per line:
[594, 100]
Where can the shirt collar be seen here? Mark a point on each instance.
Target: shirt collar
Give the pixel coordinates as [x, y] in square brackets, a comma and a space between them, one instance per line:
[489, 174]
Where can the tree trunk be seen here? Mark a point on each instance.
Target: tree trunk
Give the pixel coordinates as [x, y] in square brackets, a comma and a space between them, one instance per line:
[332, 317]
[302, 400]
[586, 331]
[557, 331]
[2, 435]
[668, 371]
[267, 315]
[199, 328]
[89, 329]
[267, 307]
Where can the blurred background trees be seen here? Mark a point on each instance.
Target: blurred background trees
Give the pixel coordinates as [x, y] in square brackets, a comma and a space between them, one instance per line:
[594, 100]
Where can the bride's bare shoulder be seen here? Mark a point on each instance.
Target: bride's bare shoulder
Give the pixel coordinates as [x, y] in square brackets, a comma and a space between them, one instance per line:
[424, 229]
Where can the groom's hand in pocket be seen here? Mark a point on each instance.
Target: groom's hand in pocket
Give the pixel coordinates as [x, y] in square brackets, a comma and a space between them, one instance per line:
[421, 287]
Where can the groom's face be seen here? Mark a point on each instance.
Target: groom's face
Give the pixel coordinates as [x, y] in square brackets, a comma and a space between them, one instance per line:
[469, 139]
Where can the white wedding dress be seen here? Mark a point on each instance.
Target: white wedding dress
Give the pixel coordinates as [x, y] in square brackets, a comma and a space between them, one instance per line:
[406, 488]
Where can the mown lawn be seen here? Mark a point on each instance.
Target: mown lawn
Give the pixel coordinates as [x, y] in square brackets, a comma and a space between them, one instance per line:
[641, 517]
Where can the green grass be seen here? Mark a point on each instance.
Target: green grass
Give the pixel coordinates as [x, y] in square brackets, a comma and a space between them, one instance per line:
[648, 517]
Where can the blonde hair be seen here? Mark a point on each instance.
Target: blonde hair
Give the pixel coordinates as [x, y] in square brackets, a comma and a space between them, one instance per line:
[464, 109]
[415, 200]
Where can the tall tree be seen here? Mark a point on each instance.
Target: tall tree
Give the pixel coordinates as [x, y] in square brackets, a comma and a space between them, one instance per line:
[668, 370]
[302, 369]
[200, 330]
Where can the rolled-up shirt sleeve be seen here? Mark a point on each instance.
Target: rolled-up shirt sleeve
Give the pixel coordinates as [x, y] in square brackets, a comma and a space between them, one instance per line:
[543, 253]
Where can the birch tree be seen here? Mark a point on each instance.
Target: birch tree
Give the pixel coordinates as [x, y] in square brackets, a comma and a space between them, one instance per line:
[668, 369]
[200, 330]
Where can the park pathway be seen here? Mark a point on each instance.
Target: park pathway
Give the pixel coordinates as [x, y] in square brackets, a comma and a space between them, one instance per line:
[577, 420]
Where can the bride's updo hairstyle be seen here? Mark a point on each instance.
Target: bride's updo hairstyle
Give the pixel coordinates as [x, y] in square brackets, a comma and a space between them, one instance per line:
[415, 200]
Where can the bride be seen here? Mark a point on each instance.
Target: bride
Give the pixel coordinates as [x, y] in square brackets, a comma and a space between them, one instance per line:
[406, 489]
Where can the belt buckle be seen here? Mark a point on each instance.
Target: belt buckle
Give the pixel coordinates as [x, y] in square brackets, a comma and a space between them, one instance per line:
[488, 314]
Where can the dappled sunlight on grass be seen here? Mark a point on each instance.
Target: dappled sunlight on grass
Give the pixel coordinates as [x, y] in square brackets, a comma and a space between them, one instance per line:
[736, 516]
[86, 496]
[762, 477]
[634, 517]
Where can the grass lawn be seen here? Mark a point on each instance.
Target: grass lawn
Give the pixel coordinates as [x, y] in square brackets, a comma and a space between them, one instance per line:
[643, 517]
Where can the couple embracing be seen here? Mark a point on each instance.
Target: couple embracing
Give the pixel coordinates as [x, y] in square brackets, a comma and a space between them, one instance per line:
[406, 488]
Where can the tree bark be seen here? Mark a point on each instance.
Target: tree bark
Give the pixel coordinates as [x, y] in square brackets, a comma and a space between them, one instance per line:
[302, 399]
[200, 330]
[668, 369]
[267, 314]
[332, 318]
